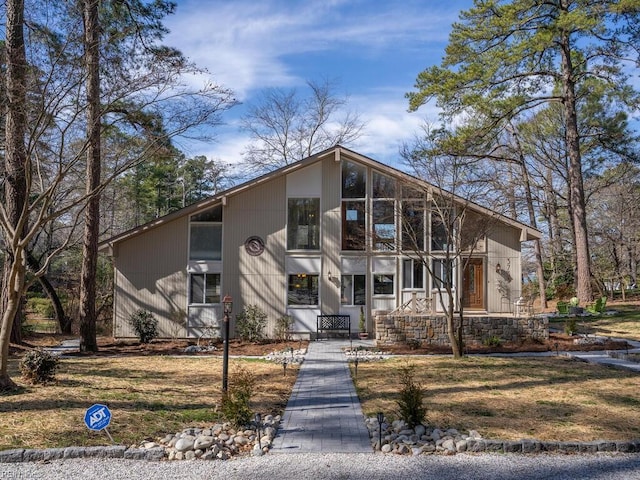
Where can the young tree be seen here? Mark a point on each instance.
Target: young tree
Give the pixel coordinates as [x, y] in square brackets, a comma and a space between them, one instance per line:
[456, 226]
[508, 57]
[286, 126]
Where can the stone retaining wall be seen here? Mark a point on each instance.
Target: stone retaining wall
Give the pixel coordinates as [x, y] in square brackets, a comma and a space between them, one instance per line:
[397, 328]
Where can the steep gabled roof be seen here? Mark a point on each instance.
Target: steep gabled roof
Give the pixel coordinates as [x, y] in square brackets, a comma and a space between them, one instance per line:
[527, 232]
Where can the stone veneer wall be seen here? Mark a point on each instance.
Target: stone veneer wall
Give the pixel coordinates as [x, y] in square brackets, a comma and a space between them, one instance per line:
[397, 328]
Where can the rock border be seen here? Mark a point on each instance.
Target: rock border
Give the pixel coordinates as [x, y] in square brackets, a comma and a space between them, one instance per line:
[219, 442]
[398, 438]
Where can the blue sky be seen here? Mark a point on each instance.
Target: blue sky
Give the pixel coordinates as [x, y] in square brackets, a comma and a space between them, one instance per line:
[373, 50]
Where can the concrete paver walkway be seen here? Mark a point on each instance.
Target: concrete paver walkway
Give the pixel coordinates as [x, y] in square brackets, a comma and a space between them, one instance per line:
[323, 414]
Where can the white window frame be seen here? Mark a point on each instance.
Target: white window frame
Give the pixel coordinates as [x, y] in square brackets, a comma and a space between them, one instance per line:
[204, 288]
[304, 276]
[411, 270]
[299, 227]
[393, 284]
[346, 283]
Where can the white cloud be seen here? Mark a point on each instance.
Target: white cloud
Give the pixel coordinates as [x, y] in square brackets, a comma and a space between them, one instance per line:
[248, 45]
[244, 44]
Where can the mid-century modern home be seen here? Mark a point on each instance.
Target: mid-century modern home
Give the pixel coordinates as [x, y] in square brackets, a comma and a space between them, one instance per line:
[323, 236]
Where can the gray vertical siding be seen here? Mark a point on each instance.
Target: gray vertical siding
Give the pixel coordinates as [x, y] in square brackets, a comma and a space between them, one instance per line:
[331, 236]
[258, 280]
[151, 275]
[503, 246]
[151, 266]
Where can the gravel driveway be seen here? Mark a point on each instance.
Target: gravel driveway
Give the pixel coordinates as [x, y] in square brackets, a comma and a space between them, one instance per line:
[342, 466]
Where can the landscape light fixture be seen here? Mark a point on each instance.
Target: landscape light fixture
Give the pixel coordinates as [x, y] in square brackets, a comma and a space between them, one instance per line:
[258, 425]
[380, 422]
[227, 307]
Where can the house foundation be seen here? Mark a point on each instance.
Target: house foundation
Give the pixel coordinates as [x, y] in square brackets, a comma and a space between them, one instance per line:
[432, 329]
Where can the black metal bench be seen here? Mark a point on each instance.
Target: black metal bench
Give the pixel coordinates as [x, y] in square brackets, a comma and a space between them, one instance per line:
[333, 324]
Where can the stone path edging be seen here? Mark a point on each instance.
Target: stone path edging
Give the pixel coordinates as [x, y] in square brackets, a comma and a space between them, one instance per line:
[111, 451]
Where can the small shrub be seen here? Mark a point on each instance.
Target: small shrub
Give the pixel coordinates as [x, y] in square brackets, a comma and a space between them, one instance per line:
[570, 325]
[492, 341]
[145, 325]
[38, 366]
[283, 328]
[26, 329]
[236, 402]
[40, 306]
[250, 323]
[411, 400]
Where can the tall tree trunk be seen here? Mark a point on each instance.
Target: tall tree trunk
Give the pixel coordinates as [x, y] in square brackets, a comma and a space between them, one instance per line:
[15, 185]
[576, 186]
[537, 248]
[88, 340]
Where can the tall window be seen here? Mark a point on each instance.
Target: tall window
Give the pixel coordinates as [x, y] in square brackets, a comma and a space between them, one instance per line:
[205, 238]
[383, 284]
[384, 227]
[440, 231]
[353, 288]
[353, 225]
[204, 288]
[303, 226]
[354, 186]
[412, 274]
[413, 225]
[442, 273]
[303, 289]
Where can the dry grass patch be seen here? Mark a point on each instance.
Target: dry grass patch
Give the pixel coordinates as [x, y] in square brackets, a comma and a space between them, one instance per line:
[148, 397]
[544, 398]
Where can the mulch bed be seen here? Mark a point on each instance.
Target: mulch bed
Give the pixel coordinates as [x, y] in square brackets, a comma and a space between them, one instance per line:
[108, 347]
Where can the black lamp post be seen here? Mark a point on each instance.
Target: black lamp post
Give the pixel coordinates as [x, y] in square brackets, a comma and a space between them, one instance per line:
[380, 422]
[227, 304]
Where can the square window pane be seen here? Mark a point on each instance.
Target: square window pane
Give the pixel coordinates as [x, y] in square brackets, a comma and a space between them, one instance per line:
[205, 242]
[303, 289]
[383, 284]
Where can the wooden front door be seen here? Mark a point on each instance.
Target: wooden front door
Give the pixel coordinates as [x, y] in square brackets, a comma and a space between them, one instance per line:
[473, 285]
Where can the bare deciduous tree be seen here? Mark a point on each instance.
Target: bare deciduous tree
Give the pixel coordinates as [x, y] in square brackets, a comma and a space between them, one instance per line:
[285, 126]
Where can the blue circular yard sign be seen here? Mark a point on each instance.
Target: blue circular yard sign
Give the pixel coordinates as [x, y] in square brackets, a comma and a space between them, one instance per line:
[97, 417]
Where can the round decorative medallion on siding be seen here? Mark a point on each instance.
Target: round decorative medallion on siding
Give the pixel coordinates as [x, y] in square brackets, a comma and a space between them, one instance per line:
[254, 246]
